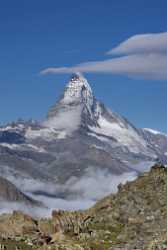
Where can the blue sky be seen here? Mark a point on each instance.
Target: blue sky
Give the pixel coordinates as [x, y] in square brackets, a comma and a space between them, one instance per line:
[37, 34]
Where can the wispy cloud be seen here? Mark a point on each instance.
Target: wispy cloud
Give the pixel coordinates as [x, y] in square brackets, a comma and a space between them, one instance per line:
[143, 56]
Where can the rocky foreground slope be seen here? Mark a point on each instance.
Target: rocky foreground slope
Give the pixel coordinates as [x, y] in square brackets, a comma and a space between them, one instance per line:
[134, 218]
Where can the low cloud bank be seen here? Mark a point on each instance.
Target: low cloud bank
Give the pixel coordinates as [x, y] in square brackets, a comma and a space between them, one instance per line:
[81, 193]
[73, 195]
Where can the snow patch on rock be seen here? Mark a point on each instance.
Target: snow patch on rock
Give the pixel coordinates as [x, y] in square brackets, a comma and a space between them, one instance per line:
[155, 132]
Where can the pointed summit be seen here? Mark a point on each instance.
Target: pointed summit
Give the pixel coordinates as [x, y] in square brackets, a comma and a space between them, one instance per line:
[77, 90]
[77, 99]
[77, 76]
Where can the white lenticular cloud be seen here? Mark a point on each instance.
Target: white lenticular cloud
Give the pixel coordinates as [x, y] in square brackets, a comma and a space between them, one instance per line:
[143, 43]
[149, 66]
[144, 56]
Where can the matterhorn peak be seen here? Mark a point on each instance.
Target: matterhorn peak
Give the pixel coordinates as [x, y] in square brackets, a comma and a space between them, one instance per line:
[78, 76]
[77, 90]
[78, 99]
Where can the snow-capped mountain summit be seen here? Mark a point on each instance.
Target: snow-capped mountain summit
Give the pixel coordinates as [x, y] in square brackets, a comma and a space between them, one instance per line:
[77, 109]
[77, 106]
[79, 133]
[78, 90]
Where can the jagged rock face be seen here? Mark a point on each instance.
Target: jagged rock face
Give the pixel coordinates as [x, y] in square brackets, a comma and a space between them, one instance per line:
[76, 92]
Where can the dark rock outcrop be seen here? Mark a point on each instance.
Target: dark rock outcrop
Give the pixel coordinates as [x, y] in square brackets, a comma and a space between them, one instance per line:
[9, 193]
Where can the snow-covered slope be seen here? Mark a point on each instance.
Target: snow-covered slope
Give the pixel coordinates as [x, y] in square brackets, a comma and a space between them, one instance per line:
[158, 142]
[111, 125]
[154, 132]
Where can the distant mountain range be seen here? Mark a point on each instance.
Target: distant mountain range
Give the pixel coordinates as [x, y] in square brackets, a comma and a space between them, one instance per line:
[78, 133]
